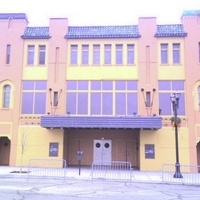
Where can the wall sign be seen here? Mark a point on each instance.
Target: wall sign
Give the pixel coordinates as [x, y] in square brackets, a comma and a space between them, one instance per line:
[149, 151]
[53, 149]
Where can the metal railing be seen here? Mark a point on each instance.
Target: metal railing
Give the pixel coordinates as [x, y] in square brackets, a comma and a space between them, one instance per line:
[47, 168]
[190, 174]
[112, 170]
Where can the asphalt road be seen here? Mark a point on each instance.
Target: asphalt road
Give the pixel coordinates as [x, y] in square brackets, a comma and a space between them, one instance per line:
[79, 189]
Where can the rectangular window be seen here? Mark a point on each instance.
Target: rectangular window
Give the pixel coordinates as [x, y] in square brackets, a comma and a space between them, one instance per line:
[85, 54]
[119, 54]
[164, 53]
[55, 99]
[8, 51]
[107, 54]
[74, 54]
[42, 53]
[6, 96]
[130, 54]
[199, 52]
[96, 54]
[148, 99]
[176, 53]
[34, 97]
[166, 89]
[31, 51]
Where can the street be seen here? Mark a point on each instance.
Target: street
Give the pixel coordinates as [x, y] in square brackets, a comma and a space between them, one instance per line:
[40, 189]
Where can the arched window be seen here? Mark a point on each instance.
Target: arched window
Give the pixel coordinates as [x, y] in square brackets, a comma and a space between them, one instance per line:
[6, 96]
[199, 97]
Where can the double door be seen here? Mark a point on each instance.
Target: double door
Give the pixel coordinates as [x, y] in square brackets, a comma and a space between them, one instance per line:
[102, 151]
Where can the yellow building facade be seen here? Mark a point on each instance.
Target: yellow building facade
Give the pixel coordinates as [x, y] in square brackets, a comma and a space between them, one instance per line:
[104, 90]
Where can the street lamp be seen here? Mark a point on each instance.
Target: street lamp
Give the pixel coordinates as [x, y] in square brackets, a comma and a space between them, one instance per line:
[175, 103]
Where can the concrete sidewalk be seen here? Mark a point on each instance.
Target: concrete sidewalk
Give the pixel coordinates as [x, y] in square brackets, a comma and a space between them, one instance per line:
[85, 173]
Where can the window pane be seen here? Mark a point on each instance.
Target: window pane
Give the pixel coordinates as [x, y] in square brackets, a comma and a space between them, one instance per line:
[82, 85]
[82, 103]
[131, 85]
[132, 103]
[120, 103]
[8, 52]
[27, 103]
[120, 85]
[96, 54]
[96, 85]
[40, 85]
[107, 85]
[85, 54]
[176, 53]
[42, 53]
[130, 54]
[71, 85]
[164, 53]
[31, 49]
[107, 54]
[148, 99]
[96, 103]
[119, 54]
[40, 103]
[74, 54]
[28, 85]
[164, 85]
[181, 108]
[165, 104]
[6, 96]
[107, 104]
[71, 103]
[177, 85]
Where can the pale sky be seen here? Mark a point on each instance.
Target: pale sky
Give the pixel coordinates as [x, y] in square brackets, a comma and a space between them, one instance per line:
[99, 12]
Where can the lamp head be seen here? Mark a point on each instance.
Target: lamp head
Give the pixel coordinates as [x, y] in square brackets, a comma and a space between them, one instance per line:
[175, 97]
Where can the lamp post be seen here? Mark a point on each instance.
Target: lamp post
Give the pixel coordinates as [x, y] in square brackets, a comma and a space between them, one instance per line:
[175, 103]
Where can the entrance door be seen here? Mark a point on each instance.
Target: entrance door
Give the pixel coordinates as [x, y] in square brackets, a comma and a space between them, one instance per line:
[198, 154]
[4, 151]
[102, 151]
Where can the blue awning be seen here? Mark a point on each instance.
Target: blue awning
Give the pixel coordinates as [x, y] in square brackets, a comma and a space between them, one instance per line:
[102, 122]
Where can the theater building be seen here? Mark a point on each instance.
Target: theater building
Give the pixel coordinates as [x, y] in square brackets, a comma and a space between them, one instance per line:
[104, 90]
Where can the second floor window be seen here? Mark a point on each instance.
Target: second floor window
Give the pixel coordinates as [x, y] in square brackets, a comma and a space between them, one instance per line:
[96, 54]
[107, 54]
[34, 97]
[119, 54]
[130, 54]
[31, 51]
[6, 96]
[164, 53]
[74, 54]
[42, 53]
[176, 53]
[85, 54]
[8, 51]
